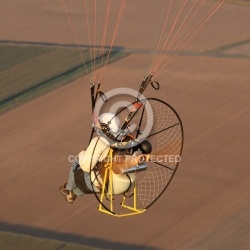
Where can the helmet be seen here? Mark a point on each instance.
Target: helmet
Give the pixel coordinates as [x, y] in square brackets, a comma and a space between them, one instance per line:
[109, 124]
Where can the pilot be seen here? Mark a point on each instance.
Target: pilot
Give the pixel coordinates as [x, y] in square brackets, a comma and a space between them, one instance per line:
[97, 151]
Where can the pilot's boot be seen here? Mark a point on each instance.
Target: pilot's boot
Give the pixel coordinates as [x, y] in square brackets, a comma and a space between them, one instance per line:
[69, 194]
[71, 197]
[63, 189]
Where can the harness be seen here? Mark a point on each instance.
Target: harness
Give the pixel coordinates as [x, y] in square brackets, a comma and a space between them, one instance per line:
[80, 176]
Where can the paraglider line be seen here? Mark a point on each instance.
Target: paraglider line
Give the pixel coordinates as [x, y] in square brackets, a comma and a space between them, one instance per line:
[74, 33]
[114, 35]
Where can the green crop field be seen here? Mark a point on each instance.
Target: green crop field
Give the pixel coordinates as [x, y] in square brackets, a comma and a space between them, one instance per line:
[15, 241]
[243, 2]
[27, 71]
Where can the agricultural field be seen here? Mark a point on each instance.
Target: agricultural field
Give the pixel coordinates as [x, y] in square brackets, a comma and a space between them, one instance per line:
[207, 205]
[27, 70]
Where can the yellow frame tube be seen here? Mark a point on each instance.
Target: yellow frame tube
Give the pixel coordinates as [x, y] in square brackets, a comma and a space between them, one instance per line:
[108, 172]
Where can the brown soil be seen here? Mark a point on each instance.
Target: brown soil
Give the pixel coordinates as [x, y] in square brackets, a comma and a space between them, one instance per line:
[207, 205]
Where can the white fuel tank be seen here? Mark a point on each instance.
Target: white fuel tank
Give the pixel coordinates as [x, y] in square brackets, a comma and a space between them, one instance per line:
[122, 183]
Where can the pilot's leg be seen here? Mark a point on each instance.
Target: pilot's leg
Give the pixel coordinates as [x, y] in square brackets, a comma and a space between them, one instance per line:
[70, 189]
